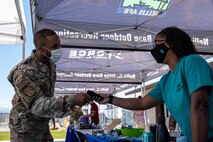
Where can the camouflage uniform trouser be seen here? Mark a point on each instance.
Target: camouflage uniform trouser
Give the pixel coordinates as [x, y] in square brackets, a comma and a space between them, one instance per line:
[30, 137]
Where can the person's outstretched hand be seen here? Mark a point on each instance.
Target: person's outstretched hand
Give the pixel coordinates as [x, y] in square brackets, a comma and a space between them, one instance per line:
[81, 99]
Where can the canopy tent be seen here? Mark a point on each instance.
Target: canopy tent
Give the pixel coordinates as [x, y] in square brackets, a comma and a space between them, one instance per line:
[12, 23]
[107, 43]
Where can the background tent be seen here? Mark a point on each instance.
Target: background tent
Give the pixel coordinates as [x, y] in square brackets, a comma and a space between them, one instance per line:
[12, 23]
[106, 43]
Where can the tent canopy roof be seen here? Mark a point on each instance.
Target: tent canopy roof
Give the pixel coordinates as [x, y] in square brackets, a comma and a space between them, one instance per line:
[12, 22]
[109, 41]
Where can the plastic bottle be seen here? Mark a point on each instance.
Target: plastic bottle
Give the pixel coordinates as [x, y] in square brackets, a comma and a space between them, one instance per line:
[147, 137]
[162, 134]
[76, 125]
[93, 125]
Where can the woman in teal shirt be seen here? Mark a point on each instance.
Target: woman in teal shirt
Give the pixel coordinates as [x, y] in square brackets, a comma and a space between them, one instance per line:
[186, 90]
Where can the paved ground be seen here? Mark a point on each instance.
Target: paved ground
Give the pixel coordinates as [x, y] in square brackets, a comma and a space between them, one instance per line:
[59, 140]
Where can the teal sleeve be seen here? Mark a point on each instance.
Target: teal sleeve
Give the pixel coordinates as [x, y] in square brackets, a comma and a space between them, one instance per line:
[156, 92]
[197, 74]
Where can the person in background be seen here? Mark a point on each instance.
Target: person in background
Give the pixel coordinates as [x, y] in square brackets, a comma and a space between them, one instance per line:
[34, 104]
[186, 90]
[74, 120]
[172, 127]
[53, 126]
[138, 117]
[75, 115]
[94, 114]
[172, 124]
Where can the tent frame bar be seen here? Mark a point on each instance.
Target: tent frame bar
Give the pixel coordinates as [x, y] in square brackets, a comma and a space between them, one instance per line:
[106, 82]
[122, 49]
[23, 30]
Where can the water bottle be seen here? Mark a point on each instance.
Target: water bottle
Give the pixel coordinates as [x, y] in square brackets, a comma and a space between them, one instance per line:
[147, 137]
[75, 125]
[152, 129]
[162, 134]
[93, 125]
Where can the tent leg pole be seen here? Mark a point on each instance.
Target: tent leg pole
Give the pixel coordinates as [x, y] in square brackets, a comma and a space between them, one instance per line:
[23, 52]
[143, 89]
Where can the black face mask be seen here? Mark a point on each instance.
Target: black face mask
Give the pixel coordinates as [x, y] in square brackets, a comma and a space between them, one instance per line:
[159, 52]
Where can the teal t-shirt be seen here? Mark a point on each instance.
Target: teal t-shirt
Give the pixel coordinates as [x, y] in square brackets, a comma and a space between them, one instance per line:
[176, 87]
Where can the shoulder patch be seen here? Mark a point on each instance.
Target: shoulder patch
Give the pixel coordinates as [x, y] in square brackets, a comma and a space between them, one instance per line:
[29, 91]
[25, 88]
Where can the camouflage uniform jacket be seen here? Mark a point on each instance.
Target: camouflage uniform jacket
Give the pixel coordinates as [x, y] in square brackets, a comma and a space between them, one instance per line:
[33, 103]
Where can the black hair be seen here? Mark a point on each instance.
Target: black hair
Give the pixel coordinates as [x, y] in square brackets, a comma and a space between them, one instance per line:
[41, 36]
[180, 41]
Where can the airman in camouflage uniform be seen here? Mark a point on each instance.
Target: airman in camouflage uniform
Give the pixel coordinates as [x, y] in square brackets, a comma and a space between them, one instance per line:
[33, 103]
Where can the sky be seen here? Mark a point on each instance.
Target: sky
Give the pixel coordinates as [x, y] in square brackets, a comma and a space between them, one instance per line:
[10, 55]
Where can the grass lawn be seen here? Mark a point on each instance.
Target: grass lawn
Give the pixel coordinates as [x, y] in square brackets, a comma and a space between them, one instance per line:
[57, 134]
[4, 136]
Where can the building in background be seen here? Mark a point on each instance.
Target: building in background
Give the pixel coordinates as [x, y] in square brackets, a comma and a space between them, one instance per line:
[4, 118]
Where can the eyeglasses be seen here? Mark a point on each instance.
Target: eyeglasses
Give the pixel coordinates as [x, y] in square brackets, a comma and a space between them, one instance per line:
[158, 42]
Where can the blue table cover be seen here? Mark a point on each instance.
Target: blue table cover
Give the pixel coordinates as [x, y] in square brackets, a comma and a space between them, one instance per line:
[72, 136]
[107, 138]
